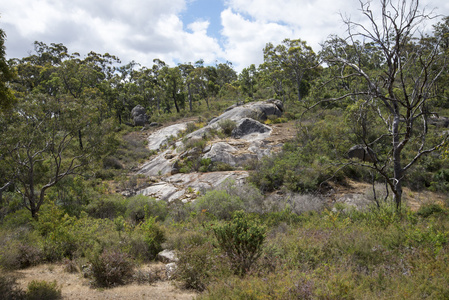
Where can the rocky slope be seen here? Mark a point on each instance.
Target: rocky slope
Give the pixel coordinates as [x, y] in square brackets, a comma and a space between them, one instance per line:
[249, 140]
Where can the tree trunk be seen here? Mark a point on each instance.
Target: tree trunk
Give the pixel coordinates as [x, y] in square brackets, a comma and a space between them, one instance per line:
[398, 172]
[80, 137]
[190, 97]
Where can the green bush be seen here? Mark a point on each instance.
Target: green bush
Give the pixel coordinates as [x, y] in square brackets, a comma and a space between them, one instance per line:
[197, 266]
[219, 204]
[111, 268]
[108, 206]
[38, 290]
[18, 252]
[227, 126]
[427, 210]
[141, 207]
[241, 239]
[153, 236]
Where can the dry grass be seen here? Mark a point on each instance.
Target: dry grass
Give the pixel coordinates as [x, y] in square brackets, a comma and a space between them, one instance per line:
[74, 286]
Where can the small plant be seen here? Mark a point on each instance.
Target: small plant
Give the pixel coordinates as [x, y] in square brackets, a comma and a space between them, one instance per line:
[38, 290]
[70, 265]
[205, 165]
[196, 266]
[427, 210]
[111, 268]
[227, 126]
[241, 239]
[153, 236]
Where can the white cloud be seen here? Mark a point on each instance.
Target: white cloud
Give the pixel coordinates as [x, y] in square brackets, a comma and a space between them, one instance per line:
[249, 24]
[246, 39]
[142, 30]
[132, 30]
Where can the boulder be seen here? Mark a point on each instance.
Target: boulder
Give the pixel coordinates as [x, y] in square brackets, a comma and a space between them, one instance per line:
[363, 153]
[167, 256]
[248, 126]
[139, 115]
[439, 121]
[162, 191]
[170, 269]
[223, 152]
[255, 110]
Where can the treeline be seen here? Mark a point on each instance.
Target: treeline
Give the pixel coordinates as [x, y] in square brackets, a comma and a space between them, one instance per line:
[116, 88]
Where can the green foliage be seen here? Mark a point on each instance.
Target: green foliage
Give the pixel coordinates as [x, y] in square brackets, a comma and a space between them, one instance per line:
[241, 239]
[153, 236]
[107, 207]
[111, 268]
[140, 208]
[198, 266]
[7, 74]
[427, 210]
[41, 289]
[227, 126]
[219, 204]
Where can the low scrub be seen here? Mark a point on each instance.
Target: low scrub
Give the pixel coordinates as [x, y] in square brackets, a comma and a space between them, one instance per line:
[111, 268]
[41, 289]
[241, 239]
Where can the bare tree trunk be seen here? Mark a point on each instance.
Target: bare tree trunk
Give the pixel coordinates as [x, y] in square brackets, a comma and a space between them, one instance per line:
[190, 97]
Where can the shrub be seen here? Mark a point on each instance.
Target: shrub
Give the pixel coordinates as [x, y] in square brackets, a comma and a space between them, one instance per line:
[197, 266]
[108, 207]
[227, 126]
[141, 207]
[219, 204]
[153, 236]
[9, 289]
[241, 239]
[17, 255]
[427, 210]
[111, 268]
[70, 265]
[38, 290]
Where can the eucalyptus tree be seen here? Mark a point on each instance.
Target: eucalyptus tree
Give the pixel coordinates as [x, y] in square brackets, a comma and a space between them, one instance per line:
[173, 86]
[188, 75]
[6, 75]
[389, 73]
[225, 74]
[39, 144]
[247, 80]
[293, 59]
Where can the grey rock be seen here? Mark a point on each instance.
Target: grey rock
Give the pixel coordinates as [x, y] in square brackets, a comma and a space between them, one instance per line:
[223, 152]
[161, 137]
[170, 269]
[439, 121]
[247, 126]
[256, 110]
[159, 165]
[363, 153]
[167, 256]
[139, 116]
[162, 191]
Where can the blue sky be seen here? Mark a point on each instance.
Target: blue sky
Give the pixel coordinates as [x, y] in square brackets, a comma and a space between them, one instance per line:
[176, 31]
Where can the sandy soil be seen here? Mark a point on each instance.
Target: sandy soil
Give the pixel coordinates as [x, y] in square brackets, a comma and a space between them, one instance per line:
[74, 286]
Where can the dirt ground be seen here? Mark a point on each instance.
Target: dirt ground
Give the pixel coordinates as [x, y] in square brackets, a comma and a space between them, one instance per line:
[74, 286]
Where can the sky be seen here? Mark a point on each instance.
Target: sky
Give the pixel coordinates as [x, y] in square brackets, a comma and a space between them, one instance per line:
[177, 31]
